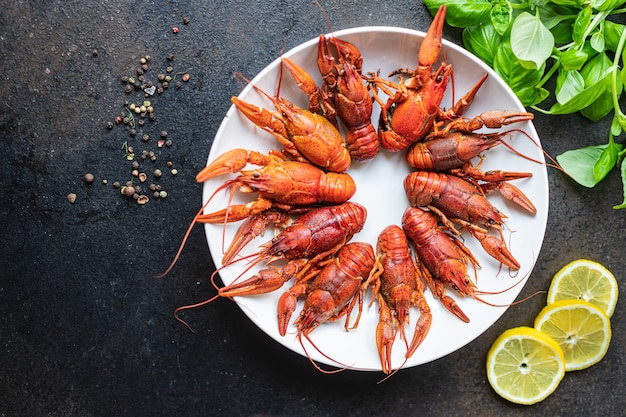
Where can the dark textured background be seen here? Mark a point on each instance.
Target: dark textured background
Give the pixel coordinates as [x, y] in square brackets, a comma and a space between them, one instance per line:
[86, 331]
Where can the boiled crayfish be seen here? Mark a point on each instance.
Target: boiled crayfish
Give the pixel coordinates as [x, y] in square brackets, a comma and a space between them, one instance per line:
[397, 285]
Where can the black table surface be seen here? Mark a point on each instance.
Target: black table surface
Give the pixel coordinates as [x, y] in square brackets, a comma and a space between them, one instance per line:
[85, 329]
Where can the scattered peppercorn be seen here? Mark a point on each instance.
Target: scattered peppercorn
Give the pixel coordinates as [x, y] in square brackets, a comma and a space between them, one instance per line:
[88, 178]
[170, 57]
[186, 20]
[185, 77]
[94, 52]
[71, 197]
[157, 173]
[109, 125]
[174, 29]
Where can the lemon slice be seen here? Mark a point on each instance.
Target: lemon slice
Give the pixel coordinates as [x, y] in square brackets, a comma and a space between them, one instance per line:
[587, 280]
[524, 365]
[581, 329]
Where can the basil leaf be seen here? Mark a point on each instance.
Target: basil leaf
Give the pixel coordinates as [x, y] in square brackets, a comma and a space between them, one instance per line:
[588, 95]
[583, 19]
[501, 16]
[483, 41]
[606, 161]
[462, 13]
[597, 41]
[612, 33]
[592, 73]
[573, 59]
[568, 85]
[602, 5]
[531, 41]
[521, 80]
[579, 164]
[574, 3]
[553, 15]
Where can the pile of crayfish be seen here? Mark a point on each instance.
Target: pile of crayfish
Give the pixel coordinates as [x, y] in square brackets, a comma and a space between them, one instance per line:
[304, 192]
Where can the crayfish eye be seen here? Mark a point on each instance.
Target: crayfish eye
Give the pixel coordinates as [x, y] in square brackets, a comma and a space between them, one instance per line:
[455, 287]
[256, 175]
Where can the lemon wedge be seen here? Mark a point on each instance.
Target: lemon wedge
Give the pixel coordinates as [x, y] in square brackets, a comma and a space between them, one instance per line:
[586, 280]
[581, 329]
[524, 365]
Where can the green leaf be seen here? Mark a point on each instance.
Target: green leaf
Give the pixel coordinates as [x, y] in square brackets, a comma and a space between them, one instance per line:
[573, 59]
[569, 85]
[583, 19]
[462, 13]
[612, 33]
[523, 81]
[585, 97]
[592, 73]
[483, 41]
[531, 41]
[501, 16]
[606, 161]
[574, 3]
[579, 164]
[597, 41]
[602, 5]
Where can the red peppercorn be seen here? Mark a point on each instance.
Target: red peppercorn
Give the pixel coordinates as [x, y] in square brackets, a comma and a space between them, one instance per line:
[174, 29]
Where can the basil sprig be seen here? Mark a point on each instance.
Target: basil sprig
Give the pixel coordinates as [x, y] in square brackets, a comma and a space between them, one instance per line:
[576, 43]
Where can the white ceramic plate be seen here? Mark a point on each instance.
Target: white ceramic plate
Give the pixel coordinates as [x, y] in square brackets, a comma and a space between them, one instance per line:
[380, 190]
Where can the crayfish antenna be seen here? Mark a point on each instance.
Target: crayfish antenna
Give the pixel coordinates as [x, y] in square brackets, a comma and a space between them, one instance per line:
[186, 236]
[395, 371]
[215, 297]
[319, 368]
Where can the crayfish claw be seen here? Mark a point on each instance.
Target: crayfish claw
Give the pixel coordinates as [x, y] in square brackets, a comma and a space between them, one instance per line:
[514, 194]
[385, 335]
[497, 118]
[231, 162]
[496, 248]
[432, 44]
[451, 305]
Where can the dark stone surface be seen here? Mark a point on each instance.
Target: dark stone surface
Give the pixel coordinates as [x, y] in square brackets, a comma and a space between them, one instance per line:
[86, 331]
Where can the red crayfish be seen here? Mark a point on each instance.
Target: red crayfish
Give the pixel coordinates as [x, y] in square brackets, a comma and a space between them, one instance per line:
[397, 285]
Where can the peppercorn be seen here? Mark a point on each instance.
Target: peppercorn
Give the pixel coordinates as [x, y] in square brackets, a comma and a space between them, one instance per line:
[174, 171]
[124, 79]
[185, 77]
[128, 191]
[71, 197]
[132, 132]
[170, 57]
[145, 137]
[135, 165]
[168, 143]
[128, 89]
[109, 125]
[88, 178]
[186, 20]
